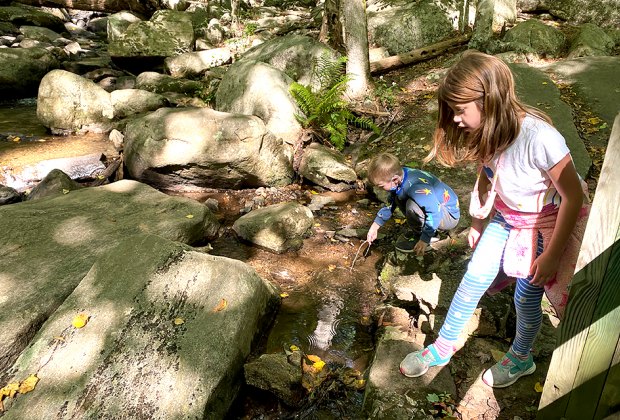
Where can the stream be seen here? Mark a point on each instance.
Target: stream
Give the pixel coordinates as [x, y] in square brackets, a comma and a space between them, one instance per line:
[329, 285]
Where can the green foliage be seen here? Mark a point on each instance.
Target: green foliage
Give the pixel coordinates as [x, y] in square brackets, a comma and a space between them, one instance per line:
[249, 28]
[325, 111]
[385, 92]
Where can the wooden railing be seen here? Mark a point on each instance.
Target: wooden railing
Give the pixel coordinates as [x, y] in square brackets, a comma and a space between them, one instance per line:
[583, 380]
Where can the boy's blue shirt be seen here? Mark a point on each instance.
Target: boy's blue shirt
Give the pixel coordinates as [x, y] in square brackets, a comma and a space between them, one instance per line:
[429, 193]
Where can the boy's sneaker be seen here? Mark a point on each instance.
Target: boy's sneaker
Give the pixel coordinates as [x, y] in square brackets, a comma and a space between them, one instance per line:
[406, 245]
[506, 372]
[417, 363]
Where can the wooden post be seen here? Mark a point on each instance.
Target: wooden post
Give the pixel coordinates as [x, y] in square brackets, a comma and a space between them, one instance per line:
[583, 381]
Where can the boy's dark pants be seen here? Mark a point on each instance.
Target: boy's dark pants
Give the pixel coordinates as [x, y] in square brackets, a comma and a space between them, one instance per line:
[416, 216]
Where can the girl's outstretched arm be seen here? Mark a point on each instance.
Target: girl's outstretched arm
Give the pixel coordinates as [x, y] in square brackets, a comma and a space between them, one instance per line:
[567, 183]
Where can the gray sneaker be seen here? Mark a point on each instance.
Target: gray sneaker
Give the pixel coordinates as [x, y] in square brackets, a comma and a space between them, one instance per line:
[506, 372]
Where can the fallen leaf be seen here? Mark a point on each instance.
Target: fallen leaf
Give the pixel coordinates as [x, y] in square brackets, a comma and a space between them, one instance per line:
[331, 267]
[65, 191]
[220, 306]
[294, 347]
[80, 320]
[190, 216]
[399, 221]
[9, 390]
[283, 295]
[313, 192]
[545, 83]
[179, 321]
[28, 384]
[538, 387]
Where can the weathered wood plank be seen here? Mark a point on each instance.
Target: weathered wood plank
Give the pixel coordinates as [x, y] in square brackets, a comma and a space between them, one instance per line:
[564, 373]
[611, 392]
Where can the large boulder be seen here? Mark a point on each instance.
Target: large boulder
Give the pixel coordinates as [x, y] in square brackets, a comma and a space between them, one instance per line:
[591, 41]
[533, 35]
[193, 149]
[405, 28]
[296, 55]
[255, 88]
[167, 33]
[127, 102]
[71, 103]
[21, 71]
[48, 246]
[193, 64]
[168, 331]
[19, 14]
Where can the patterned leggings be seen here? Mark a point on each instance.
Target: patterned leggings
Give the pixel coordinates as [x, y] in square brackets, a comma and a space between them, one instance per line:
[481, 272]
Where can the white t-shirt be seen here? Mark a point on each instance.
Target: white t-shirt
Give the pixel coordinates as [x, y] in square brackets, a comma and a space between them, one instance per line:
[523, 183]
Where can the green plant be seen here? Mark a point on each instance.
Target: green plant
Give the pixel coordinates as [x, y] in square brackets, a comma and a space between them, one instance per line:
[249, 28]
[444, 406]
[385, 92]
[324, 111]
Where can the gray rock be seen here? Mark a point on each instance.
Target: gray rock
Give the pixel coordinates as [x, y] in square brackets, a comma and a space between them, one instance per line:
[405, 28]
[161, 83]
[40, 34]
[535, 36]
[71, 103]
[591, 41]
[54, 183]
[327, 168]
[277, 228]
[274, 373]
[127, 102]
[193, 64]
[175, 324]
[49, 245]
[196, 148]
[21, 71]
[9, 195]
[166, 34]
[270, 100]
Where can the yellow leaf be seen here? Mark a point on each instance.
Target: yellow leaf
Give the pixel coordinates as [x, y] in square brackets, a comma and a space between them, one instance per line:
[9, 390]
[314, 358]
[28, 384]
[313, 192]
[16, 139]
[100, 177]
[65, 191]
[221, 306]
[283, 295]
[317, 224]
[594, 121]
[79, 320]
[294, 347]
[179, 321]
[331, 267]
[538, 387]
[190, 216]
[545, 83]
[399, 221]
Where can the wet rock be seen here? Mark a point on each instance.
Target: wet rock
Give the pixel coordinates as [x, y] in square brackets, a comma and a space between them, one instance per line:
[9, 195]
[317, 202]
[274, 373]
[56, 182]
[278, 228]
[156, 319]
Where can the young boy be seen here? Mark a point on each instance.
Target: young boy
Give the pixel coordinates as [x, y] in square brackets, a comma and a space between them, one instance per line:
[428, 204]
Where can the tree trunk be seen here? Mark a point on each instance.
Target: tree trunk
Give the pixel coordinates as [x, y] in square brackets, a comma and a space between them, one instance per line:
[145, 8]
[332, 32]
[356, 44]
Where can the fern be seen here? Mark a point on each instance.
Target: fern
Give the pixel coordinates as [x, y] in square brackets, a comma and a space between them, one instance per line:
[325, 111]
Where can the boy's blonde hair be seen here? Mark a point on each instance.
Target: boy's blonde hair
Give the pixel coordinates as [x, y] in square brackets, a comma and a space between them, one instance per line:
[488, 82]
[383, 167]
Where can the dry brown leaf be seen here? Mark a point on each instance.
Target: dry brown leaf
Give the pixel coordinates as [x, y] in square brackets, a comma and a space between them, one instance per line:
[221, 306]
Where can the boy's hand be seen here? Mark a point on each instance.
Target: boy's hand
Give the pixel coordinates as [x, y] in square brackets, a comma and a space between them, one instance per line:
[372, 233]
[420, 248]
